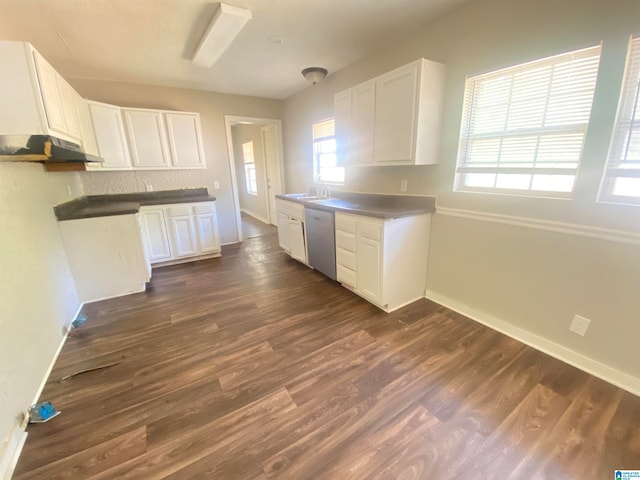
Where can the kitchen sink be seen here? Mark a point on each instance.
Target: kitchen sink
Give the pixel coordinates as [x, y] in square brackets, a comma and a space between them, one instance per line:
[303, 196]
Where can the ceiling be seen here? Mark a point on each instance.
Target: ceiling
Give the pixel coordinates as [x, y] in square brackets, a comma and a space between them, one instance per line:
[152, 41]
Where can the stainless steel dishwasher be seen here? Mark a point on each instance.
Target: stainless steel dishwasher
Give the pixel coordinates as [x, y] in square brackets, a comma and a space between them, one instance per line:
[321, 241]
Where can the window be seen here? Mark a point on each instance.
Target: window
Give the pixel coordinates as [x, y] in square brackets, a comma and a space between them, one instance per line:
[523, 127]
[621, 182]
[249, 168]
[325, 169]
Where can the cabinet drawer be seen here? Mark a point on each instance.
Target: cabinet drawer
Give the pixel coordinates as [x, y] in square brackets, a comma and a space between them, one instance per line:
[179, 211]
[346, 241]
[345, 258]
[207, 207]
[294, 210]
[370, 231]
[346, 276]
[345, 224]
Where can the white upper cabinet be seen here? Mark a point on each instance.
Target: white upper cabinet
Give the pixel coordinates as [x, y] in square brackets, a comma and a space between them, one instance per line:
[51, 95]
[147, 138]
[89, 143]
[185, 139]
[35, 99]
[110, 137]
[393, 119]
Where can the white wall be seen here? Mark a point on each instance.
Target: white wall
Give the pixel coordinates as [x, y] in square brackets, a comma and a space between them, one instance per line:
[38, 297]
[530, 279]
[255, 205]
[212, 108]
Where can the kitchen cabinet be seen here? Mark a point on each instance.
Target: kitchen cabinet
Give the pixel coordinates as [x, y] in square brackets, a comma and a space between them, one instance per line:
[291, 232]
[147, 138]
[154, 234]
[185, 139]
[180, 232]
[35, 99]
[393, 119]
[207, 227]
[110, 137]
[384, 261]
[89, 143]
[183, 232]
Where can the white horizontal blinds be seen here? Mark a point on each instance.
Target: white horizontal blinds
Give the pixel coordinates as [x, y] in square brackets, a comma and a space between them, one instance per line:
[324, 129]
[622, 177]
[523, 127]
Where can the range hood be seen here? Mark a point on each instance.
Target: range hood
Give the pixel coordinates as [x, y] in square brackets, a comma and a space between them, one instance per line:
[42, 148]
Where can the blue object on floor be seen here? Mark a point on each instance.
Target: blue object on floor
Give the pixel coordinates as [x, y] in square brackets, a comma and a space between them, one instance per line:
[42, 412]
[80, 319]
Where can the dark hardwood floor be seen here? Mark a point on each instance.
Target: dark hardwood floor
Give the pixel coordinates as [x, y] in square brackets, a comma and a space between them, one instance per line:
[252, 366]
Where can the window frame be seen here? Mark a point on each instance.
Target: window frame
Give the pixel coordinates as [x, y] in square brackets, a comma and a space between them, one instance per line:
[541, 136]
[317, 177]
[250, 176]
[627, 122]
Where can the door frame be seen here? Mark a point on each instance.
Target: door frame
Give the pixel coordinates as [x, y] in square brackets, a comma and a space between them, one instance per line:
[229, 121]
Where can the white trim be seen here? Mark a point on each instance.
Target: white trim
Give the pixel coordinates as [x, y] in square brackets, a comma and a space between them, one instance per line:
[143, 288]
[256, 216]
[588, 231]
[609, 374]
[10, 452]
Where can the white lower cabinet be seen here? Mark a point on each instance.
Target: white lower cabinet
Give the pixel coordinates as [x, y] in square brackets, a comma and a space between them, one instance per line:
[384, 261]
[154, 234]
[207, 228]
[174, 233]
[291, 234]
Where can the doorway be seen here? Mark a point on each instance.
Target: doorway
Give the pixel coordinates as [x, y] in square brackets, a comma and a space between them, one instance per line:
[257, 174]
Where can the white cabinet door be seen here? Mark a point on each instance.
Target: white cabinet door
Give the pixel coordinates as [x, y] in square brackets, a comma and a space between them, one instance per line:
[68, 97]
[283, 232]
[185, 140]
[48, 80]
[110, 137]
[206, 226]
[89, 144]
[155, 234]
[396, 112]
[363, 114]
[369, 268]
[296, 240]
[342, 115]
[184, 236]
[147, 138]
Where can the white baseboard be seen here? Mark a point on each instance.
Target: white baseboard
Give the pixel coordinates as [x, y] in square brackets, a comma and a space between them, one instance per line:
[256, 216]
[142, 288]
[10, 452]
[609, 374]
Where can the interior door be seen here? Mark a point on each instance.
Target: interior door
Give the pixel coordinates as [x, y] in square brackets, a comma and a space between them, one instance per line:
[271, 142]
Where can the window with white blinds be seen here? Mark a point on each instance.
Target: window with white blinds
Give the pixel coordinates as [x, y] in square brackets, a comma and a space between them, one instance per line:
[621, 181]
[523, 127]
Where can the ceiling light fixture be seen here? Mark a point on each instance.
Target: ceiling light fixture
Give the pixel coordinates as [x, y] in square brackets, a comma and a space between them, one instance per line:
[225, 26]
[314, 74]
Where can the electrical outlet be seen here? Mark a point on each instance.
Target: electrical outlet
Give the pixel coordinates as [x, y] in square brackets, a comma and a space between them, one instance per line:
[148, 188]
[403, 185]
[216, 185]
[579, 325]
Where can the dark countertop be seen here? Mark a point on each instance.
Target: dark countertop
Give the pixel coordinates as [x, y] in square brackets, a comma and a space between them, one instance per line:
[368, 204]
[126, 203]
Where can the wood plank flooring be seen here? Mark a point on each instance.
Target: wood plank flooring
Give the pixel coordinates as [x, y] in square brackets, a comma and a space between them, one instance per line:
[252, 366]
